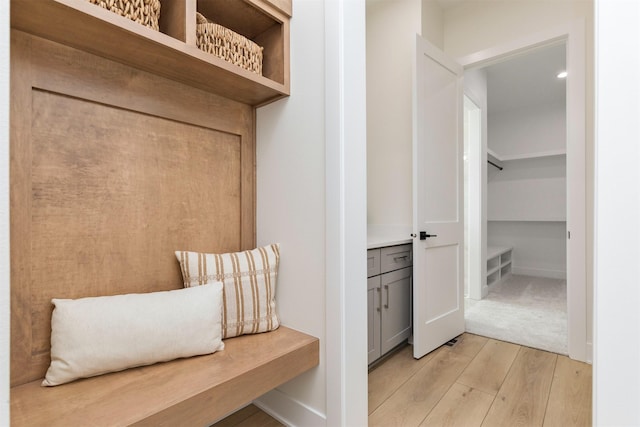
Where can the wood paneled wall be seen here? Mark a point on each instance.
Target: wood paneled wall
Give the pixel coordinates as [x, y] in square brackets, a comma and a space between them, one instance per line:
[112, 170]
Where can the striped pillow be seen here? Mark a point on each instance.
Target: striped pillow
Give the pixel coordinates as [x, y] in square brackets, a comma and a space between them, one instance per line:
[249, 278]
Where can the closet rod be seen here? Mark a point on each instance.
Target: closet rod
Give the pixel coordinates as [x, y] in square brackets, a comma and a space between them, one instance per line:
[493, 164]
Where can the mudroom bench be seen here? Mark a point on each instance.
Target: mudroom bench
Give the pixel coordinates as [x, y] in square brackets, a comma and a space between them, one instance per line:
[194, 391]
[129, 142]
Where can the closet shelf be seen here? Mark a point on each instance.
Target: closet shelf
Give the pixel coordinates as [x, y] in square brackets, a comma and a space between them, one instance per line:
[494, 161]
[527, 219]
[172, 51]
[494, 251]
[524, 156]
[493, 270]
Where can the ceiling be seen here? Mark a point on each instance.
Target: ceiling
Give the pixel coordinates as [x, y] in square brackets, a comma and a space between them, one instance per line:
[526, 80]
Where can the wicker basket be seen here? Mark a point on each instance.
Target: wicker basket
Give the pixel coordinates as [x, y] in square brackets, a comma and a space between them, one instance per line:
[145, 12]
[228, 45]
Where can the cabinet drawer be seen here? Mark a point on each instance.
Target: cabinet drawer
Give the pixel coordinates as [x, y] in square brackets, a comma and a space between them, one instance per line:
[395, 257]
[373, 262]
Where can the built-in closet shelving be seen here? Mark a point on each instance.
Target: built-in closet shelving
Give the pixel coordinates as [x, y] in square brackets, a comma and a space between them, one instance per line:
[498, 264]
[526, 213]
[538, 155]
[172, 51]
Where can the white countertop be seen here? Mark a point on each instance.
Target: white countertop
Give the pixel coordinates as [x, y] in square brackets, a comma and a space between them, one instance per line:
[379, 236]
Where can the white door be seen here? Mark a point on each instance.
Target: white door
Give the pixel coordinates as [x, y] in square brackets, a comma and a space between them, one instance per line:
[438, 283]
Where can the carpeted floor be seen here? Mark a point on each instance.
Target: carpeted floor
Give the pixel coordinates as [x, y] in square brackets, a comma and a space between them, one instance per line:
[525, 310]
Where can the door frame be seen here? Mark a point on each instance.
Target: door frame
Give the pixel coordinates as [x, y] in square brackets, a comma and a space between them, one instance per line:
[573, 35]
[476, 198]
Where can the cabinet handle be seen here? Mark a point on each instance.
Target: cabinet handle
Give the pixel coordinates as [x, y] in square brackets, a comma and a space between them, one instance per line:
[379, 308]
[386, 287]
[403, 258]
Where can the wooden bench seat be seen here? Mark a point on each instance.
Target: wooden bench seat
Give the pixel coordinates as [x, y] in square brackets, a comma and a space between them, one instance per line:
[195, 391]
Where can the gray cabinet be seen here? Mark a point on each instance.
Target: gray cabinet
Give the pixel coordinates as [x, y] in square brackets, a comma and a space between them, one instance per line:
[388, 298]
[374, 316]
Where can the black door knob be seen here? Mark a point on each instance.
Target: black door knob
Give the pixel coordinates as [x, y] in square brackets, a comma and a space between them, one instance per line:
[424, 235]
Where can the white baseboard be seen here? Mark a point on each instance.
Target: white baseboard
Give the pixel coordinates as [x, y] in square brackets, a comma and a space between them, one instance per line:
[539, 272]
[289, 411]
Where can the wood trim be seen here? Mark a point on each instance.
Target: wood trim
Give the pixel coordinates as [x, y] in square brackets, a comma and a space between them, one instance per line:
[20, 201]
[173, 19]
[284, 5]
[62, 69]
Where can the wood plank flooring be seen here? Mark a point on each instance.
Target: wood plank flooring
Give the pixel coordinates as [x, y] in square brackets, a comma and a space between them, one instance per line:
[249, 416]
[483, 382]
[477, 382]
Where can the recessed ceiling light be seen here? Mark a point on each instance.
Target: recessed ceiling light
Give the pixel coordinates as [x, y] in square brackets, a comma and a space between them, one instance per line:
[562, 74]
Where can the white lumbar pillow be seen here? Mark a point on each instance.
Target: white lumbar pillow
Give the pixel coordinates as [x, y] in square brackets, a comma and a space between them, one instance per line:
[93, 336]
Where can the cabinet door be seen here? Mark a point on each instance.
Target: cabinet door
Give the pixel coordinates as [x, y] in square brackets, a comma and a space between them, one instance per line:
[396, 308]
[373, 318]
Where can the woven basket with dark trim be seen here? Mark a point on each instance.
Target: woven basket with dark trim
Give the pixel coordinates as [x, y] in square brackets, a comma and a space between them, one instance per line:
[145, 12]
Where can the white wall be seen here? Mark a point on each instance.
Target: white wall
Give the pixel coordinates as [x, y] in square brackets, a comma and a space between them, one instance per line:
[391, 29]
[311, 176]
[617, 294]
[433, 23]
[528, 189]
[4, 214]
[474, 25]
[528, 130]
[346, 226]
[290, 193]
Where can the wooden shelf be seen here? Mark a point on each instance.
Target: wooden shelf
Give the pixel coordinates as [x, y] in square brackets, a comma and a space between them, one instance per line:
[172, 52]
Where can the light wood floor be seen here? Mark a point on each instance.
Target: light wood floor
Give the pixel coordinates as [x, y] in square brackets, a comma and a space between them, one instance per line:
[477, 382]
[480, 382]
[250, 416]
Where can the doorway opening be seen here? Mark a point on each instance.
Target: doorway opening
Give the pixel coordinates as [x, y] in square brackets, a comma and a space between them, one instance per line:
[517, 291]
